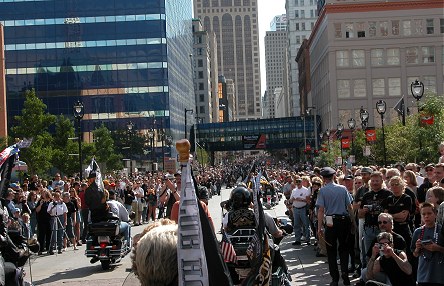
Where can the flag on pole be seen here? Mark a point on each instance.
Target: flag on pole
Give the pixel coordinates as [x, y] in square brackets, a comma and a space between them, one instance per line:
[400, 107]
[228, 251]
[7, 158]
[95, 167]
[259, 250]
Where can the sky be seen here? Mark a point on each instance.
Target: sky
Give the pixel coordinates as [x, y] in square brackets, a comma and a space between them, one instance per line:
[266, 11]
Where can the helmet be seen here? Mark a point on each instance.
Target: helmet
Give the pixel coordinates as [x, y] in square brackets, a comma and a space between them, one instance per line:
[202, 193]
[240, 197]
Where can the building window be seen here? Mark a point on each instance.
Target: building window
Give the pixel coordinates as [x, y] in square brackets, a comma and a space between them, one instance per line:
[201, 98]
[302, 3]
[360, 29]
[441, 25]
[201, 74]
[296, 13]
[378, 86]
[201, 86]
[359, 88]
[411, 55]
[418, 27]
[393, 57]
[297, 27]
[349, 31]
[429, 83]
[429, 26]
[343, 88]
[200, 63]
[372, 29]
[338, 30]
[342, 59]
[302, 14]
[303, 26]
[358, 58]
[407, 28]
[428, 54]
[394, 86]
[298, 39]
[395, 27]
[202, 109]
[377, 57]
[383, 27]
[312, 12]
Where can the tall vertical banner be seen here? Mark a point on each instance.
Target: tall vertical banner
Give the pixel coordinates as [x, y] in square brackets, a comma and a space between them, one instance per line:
[370, 135]
[191, 259]
[345, 143]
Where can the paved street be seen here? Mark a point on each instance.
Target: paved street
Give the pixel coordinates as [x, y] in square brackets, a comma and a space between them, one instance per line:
[72, 268]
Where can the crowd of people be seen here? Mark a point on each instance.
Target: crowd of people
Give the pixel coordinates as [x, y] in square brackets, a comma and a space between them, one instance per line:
[379, 219]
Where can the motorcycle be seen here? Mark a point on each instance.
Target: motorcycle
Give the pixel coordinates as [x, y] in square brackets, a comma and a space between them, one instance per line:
[105, 244]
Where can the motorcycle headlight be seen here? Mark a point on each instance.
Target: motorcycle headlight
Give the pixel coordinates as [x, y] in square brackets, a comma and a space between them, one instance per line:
[117, 230]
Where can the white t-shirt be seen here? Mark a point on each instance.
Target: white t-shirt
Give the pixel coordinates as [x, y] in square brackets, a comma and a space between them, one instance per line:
[302, 193]
[57, 208]
[139, 191]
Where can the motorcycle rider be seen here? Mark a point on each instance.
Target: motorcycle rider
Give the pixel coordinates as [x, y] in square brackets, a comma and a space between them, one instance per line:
[120, 211]
[95, 200]
[241, 216]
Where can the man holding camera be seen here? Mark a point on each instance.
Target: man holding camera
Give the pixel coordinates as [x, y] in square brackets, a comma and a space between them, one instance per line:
[58, 211]
[370, 208]
[392, 262]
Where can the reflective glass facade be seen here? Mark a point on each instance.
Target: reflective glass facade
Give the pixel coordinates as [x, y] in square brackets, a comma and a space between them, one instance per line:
[124, 59]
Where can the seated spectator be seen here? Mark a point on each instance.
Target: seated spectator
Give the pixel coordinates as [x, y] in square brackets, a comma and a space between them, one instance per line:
[159, 242]
[391, 261]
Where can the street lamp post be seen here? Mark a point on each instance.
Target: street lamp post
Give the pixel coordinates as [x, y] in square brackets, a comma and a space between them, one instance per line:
[310, 108]
[340, 128]
[327, 132]
[78, 110]
[130, 127]
[417, 89]
[363, 115]
[352, 124]
[186, 111]
[381, 107]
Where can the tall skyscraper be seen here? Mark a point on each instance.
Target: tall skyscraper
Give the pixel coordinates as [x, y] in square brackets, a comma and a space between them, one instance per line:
[279, 23]
[301, 17]
[275, 50]
[125, 60]
[235, 24]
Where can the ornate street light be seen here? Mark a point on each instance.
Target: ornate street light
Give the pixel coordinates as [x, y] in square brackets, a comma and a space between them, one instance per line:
[130, 127]
[381, 107]
[363, 115]
[79, 112]
[340, 128]
[417, 89]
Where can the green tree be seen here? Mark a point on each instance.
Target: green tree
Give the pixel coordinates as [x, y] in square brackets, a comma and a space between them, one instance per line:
[64, 147]
[34, 122]
[105, 151]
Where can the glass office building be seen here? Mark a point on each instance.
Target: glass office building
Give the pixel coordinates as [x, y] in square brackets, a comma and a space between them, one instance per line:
[126, 60]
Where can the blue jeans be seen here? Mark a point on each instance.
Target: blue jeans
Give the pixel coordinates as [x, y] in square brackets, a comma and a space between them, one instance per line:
[125, 229]
[301, 223]
[57, 228]
[370, 233]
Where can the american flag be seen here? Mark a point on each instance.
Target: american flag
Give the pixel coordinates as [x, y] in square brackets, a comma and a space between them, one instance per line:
[227, 249]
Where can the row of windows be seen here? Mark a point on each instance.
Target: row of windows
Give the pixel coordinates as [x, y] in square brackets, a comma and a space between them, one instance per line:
[302, 2]
[89, 68]
[83, 20]
[380, 86]
[381, 57]
[85, 44]
[301, 13]
[387, 28]
[3, 1]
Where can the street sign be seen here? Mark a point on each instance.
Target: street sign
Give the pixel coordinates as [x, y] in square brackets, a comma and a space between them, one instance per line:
[367, 151]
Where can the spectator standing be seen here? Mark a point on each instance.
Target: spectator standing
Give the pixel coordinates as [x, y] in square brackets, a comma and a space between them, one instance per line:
[84, 212]
[371, 207]
[334, 202]
[300, 197]
[137, 204]
[428, 246]
[58, 211]
[32, 203]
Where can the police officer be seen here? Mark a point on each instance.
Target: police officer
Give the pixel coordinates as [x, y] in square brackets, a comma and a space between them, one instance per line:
[334, 202]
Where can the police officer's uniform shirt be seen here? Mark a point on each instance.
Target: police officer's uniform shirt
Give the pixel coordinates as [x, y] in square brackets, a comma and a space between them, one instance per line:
[57, 208]
[334, 198]
[375, 199]
[301, 193]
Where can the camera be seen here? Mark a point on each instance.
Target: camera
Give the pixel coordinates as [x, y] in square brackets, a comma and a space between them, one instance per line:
[370, 207]
[426, 241]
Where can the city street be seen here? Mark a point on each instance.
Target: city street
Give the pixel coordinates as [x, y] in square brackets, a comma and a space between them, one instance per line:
[72, 268]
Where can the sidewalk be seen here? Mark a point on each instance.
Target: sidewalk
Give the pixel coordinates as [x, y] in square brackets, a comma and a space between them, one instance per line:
[305, 268]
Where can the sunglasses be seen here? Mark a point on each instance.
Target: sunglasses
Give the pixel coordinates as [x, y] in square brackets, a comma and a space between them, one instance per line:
[395, 184]
[383, 222]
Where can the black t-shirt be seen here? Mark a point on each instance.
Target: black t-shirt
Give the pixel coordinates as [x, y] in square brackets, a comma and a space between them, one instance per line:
[71, 208]
[395, 205]
[374, 199]
[422, 190]
[398, 243]
[395, 274]
[43, 216]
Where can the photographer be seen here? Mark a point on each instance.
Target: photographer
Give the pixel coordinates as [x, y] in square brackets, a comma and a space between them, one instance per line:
[58, 211]
[391, 262]
[428, 246]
